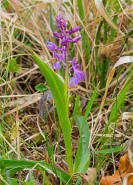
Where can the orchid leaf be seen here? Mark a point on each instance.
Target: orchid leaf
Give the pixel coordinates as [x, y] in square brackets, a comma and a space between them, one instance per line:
[83, 153]
[58, 90]
[11, 167]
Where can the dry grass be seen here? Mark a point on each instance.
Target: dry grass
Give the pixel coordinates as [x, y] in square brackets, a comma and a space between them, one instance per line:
[27, 24]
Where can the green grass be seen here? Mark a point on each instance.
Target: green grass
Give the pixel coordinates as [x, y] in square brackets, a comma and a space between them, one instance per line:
[80, 135]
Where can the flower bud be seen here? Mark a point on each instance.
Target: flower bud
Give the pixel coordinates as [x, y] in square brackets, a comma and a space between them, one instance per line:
[76, 39]
[76, 29]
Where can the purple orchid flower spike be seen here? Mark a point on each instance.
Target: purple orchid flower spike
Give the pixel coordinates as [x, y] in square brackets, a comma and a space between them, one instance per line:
[60, 52]
[78, 75]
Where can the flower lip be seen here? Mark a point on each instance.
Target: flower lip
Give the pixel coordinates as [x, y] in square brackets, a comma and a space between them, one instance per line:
[56, 34]
[76, 39]
[78, 75]
[73, 30]
[73, 61]
[69, 31]
[51, 46]
[58, 56]
[76, 29]
[57, 66]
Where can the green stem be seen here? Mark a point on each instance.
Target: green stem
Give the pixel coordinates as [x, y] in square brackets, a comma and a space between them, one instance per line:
[67, 134]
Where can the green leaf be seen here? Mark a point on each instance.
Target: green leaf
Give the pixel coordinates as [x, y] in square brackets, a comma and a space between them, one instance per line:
[14, 181]
[113, 31]
[51, 18]
[31, 181]
[90, 103]
[41, 87]
[13, 67]
[115, 110]
[83, 152]
[76, 108]
[57, 87]
[28, 183]
[81, 11]
[110, 150]
[10, 167]
[120, 100]
[85, 39]
[5, 4]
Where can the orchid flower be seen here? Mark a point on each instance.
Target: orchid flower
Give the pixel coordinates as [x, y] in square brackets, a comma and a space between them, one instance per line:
[78, 75]
[60, 52]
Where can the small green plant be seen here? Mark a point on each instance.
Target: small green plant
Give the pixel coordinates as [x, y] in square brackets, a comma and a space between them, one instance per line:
[58, 86]
[73, 134]
[59, 91]
[41, 88]
[13, 67]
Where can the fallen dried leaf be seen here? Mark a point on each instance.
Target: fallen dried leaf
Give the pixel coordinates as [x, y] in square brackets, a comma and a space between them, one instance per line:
[130, 152]
[127, 115]
[124, 174]
[110, 51]
[90, 176]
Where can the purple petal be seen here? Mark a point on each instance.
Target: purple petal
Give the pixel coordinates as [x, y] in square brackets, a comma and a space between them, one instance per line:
[69, 31]
[61, 49]
[70, 40]
[61, 22]
[51, 46]
[56, 66]
[73, 30]
[73, 81]
[64, 42]
[74, 65]
[58, 56]
[60, 28]
[78, 76]
[76, 29]
[77, 65]
[59, 18]
[76, 39]
[56, 34]
[64, 54]
[73, 62]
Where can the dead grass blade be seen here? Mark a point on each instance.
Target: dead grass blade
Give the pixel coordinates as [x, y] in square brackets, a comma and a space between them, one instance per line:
[101, 9]
[122, 60]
